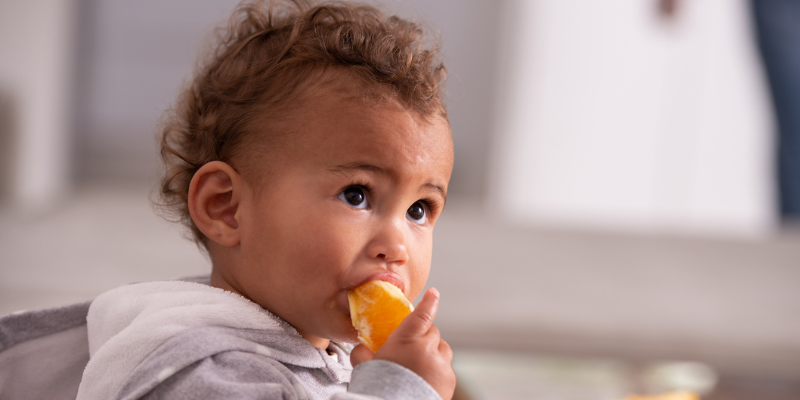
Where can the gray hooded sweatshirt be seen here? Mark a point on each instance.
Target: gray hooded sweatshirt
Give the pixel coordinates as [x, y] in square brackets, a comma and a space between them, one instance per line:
[182, 340]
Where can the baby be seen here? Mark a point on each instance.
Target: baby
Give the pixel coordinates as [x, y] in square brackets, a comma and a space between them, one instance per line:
[310, 154]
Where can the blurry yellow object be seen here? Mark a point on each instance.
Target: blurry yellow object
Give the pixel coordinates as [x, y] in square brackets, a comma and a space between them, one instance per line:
[667, 396]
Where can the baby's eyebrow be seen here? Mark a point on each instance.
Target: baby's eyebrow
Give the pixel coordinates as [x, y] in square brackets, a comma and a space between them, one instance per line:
[438, 189]
[357, 166]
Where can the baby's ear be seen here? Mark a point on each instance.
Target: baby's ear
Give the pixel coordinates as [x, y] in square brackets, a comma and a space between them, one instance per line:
[214, 196]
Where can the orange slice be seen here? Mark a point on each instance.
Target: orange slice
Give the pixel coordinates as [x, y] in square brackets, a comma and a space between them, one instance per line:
[376, 309]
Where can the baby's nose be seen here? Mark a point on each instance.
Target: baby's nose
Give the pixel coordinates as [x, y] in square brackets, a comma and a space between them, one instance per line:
[390, 245]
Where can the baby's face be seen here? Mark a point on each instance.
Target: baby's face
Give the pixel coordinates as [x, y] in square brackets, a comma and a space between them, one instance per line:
[352, 196]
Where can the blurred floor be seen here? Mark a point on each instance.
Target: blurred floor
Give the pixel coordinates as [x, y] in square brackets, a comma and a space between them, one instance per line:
[732, 304]
[732, 388]
[487, 375]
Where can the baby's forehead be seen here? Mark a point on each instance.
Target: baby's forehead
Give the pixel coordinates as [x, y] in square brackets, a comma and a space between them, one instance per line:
[338, 123]
[328, 106]
[340, 99]
[339, 86]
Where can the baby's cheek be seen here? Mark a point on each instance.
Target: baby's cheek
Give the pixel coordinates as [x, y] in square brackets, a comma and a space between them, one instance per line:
[327, 241]
[419, 270]
[318, 252]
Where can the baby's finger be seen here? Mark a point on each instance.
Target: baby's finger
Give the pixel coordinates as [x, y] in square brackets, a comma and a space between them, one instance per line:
[433, 333]
[420, 320]
[360, 354]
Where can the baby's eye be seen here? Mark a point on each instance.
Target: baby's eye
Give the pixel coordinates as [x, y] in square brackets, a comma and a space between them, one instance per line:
[354, 196]
[417, 213]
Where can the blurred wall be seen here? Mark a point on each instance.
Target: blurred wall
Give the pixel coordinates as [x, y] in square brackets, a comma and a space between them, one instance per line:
[135, 56]
[36, 58]
[577, 113]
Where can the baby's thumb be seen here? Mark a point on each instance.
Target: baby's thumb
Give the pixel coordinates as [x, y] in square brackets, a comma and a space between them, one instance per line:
[360, 354]
[420, 320]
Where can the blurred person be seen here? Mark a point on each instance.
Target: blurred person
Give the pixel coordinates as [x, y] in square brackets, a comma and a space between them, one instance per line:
[777, 30]
[310, 153]
[777, 27]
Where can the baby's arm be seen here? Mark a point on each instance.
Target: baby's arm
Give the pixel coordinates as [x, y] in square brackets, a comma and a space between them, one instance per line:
[418, 346]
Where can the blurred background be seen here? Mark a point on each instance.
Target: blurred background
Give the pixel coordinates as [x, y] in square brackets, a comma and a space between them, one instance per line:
[619, 220]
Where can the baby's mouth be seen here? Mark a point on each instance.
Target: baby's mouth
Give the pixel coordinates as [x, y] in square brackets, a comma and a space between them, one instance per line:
[386, 276]
[343, 303]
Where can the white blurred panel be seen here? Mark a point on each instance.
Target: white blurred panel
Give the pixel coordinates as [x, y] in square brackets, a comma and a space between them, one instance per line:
[36, 50]
[611, 117]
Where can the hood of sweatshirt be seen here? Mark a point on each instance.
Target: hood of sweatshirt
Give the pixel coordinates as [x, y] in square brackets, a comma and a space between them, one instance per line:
[128, 323]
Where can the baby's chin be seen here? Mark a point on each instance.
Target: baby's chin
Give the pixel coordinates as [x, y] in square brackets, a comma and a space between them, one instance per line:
[350, 337]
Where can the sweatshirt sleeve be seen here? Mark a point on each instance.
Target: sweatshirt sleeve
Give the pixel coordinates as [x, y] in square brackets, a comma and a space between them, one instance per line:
[389, 381]
[229, 375]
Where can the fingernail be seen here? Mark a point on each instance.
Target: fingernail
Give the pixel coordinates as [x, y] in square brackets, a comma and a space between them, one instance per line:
[435, 292]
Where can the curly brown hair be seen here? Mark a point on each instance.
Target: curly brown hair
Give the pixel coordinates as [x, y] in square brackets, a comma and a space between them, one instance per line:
[270, 51]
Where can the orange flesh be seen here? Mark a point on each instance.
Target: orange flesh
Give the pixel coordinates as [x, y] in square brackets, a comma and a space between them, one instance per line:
[376, 309]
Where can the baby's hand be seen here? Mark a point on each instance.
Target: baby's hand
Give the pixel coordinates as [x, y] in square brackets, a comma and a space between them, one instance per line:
[417, 345]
